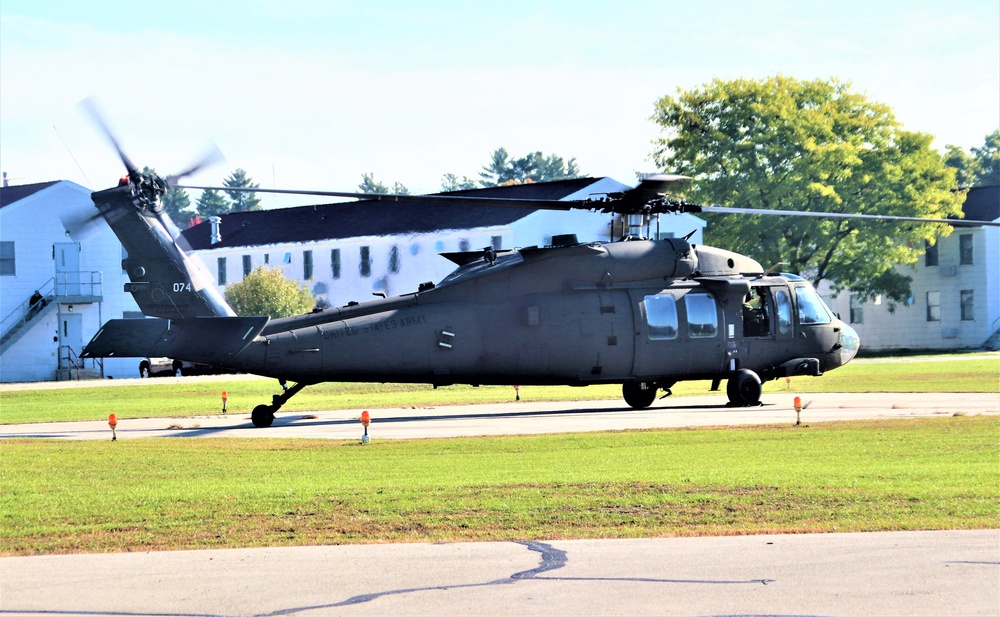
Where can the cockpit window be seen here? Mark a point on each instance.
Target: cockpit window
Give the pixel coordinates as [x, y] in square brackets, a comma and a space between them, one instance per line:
[812, 309]
[703, 318]
[784, 311]
[661, 316]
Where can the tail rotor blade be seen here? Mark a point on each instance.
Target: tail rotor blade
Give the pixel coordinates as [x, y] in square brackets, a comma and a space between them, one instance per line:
[212, 156]
[90, 106]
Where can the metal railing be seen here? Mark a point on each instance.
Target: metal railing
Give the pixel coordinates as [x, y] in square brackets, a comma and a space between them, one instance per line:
[78, 284]
[70, 360]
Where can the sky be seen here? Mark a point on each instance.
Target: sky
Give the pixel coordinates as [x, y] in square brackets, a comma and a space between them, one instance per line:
[311, 95]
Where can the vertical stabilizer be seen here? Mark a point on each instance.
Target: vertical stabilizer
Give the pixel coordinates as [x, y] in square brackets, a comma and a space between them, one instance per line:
[165, 281]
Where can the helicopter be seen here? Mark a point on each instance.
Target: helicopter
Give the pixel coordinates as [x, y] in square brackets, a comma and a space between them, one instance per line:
[642, 313]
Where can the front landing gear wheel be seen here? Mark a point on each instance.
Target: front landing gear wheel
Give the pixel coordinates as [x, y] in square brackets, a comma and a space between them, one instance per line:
[639, 394]
[262, 416]
[744, 389]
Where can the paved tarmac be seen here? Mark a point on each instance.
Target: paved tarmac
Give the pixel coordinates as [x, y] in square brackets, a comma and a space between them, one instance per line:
[902, 573]
[526, 417]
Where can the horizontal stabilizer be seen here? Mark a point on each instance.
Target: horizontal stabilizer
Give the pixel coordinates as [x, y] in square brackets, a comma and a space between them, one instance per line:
[202, 339]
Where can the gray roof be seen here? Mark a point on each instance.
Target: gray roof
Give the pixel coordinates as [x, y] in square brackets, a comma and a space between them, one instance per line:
[12, 194]
[982, 203]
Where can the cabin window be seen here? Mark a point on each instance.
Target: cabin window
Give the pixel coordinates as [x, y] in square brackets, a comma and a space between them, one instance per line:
[930, 254]
[221, 278]
[703, 318]
[365, 267]
[661, 317]
[812, 310]
[335, 263]
[784, 305]
[247, 265]
[965, 249]
[967, 297]
[933, 306]
[7, 264]
[307, 265]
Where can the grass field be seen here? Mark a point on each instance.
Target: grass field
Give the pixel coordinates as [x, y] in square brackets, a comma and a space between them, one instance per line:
[150, 399]
[162, 494]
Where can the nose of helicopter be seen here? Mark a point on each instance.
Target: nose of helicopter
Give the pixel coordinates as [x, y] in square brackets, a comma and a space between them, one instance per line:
[849, 343]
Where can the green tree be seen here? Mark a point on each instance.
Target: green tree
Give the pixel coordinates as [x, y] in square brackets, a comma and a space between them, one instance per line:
[267, 291]
[370, 186]
[242, 201]
[450, 182]
[781, 143]
[177, 205]
[212, 203]
[534, 167]
[988, 160]
[978, 166]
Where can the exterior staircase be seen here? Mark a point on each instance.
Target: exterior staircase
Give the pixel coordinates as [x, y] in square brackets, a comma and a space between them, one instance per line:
[993, 343]
[21, 319]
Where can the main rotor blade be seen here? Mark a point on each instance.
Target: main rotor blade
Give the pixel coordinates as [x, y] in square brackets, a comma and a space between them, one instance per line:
[455, 200]
[840, 215]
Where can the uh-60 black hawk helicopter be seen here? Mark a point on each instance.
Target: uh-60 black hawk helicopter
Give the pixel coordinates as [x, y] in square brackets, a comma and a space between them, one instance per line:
[642, 313]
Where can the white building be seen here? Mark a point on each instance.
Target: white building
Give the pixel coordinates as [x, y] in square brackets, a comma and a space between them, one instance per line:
[80, 279]
[348, 251]
[955, 302]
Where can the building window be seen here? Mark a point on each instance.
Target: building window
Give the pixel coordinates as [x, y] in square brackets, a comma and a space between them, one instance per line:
[497, 242]
[933, 306]
[247, 266]
[394, 260]
[365, 267]
[267, 258]
[7, 266]
[335, 263]
[288, 258]
[307, 265]
[965, 249]
[930, 254]
[968, 297]
[857, 310]
[221, 277]
[124, 260]
[463, 245]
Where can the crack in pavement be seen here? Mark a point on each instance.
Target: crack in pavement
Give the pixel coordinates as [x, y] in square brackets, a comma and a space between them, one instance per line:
[552, 559]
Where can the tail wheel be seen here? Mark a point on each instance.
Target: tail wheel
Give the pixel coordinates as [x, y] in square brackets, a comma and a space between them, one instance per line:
[639, 394]
[143, 369]
[262, 416]
[744, 388]
[178, 368]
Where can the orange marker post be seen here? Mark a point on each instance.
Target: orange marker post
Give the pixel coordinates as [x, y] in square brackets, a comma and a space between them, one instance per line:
[225, 398]
[113, 423]
[365, 421]
[798, 410]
